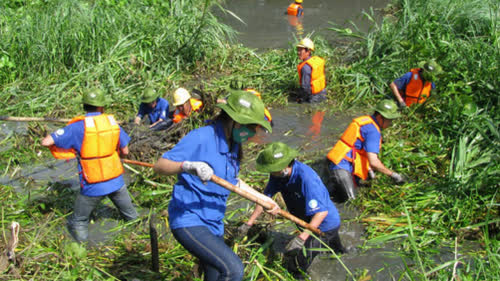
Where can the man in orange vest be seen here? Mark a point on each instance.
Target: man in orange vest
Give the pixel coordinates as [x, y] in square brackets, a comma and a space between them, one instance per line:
[355, 155]
[96, 141]
[295, 9]
[415, 86]
[184, 105]
[311, 73]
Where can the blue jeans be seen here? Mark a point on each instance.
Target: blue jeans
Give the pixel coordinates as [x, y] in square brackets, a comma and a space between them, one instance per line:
[218, 261]
[78, 222]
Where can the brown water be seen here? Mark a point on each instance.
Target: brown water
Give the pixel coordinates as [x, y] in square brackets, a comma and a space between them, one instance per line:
[266, 26]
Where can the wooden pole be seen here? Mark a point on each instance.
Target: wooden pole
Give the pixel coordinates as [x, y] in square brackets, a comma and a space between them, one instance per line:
[245, 194]
[30, 119]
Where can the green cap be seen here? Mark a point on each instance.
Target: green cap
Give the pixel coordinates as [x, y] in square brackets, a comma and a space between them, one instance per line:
[94, 97]
[275, 157]
[237, 84]
[245, 108]
[432, 67]
[149, 95]
[388, 109]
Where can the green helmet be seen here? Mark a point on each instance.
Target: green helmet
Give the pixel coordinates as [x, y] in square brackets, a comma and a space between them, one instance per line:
[94, 97]
[237, 84]
[430, 70]
[388, 109]
[149, 95]
[275, 157]
[245, 108]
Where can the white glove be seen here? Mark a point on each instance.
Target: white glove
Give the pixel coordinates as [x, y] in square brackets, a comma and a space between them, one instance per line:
[371, 174]
[197, 168]
[295, 244]
[397, 178]
[402, 104]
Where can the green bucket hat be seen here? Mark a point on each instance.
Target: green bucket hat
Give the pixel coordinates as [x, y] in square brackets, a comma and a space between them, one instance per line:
[245, 108]
[149, 95]
[430, 70]
[95, 97]
[388, 109]
[275, 157]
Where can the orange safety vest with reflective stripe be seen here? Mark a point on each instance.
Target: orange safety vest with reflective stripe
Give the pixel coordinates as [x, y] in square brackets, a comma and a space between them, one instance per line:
[98, 155]
[346, 143]
[318, 80]
[195, 106]
[293, 9]
[416, 91]
[266, 112]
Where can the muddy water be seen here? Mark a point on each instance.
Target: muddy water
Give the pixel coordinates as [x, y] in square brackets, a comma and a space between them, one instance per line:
[266, 26]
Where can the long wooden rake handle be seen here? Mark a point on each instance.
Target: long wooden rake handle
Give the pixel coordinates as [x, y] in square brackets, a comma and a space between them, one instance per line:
[29, 119]
[243, 193]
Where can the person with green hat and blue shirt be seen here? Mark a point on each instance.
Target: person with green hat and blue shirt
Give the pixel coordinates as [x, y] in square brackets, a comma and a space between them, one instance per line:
[305, 196]
[96, 140]
[416, 85]
[355, 155]
[197, 207]
[156, 108]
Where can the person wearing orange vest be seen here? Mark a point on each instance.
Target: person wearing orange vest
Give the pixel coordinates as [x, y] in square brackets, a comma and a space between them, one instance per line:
[355, 155]
[311, 73]
[96, 140]
[415, 86]
[295, 9]
[184, 105]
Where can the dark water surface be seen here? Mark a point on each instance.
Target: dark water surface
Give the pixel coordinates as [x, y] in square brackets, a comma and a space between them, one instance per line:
[266, 26]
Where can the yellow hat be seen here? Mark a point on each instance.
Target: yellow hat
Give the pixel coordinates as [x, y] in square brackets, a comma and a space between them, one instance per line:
[298, 1]
[306, 43]
[181, 96]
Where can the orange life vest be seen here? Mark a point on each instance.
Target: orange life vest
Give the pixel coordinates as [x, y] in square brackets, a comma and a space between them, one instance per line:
[318, 80]
[293, 9]
[195, 106]
[266, 112]
[416, 91]
[346, 143]
[98, 155]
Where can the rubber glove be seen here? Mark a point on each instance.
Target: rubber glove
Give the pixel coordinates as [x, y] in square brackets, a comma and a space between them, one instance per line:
[397, 178]
[243, 229]
[402, 105]
[295, 244]
[197, 168]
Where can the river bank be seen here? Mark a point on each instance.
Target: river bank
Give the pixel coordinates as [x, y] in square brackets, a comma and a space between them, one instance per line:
[448, 148]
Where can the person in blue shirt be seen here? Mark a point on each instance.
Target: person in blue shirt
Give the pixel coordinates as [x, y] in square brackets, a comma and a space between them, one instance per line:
[305, 196]
[415, 86]
[355, 155]
[157, 110]
[94, 140]
[197, 207]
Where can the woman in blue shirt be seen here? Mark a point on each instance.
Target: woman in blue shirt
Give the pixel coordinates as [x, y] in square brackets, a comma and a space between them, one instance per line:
[197, 207]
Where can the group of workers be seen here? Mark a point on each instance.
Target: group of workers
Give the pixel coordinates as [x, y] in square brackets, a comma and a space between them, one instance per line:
[198, 205]
[157, 108]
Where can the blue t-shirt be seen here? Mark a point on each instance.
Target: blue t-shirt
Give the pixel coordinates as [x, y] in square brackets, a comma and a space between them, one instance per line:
[305, 195]
[194, 203]
[71, 136]
[371, 144]
[159, 112]
[403, 81]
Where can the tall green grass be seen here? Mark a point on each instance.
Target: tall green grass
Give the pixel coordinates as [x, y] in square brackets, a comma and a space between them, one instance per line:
[449, 147]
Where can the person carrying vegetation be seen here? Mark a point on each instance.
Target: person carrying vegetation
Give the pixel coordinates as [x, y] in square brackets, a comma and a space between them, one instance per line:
[185, 105]
[311, 73]
[196, 210]
[96, 140]
[156, 108]
[415, 86]
[355, 155]
[295, 9]
[305, 196]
